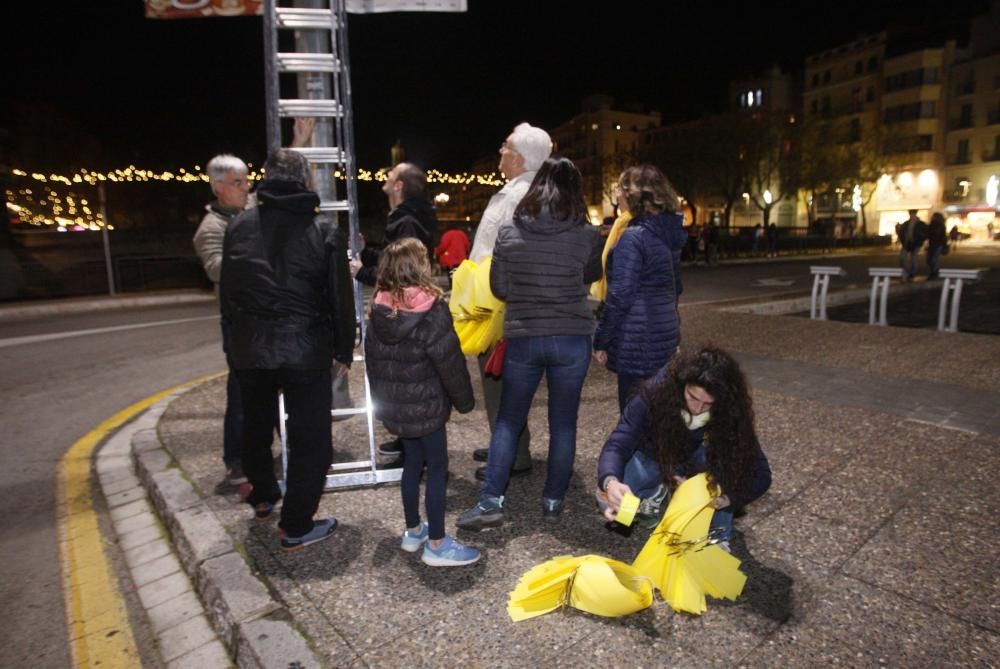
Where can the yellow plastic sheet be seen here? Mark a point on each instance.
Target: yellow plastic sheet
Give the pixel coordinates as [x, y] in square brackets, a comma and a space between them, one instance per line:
[590, 583]
[679, 558]
[477, 314]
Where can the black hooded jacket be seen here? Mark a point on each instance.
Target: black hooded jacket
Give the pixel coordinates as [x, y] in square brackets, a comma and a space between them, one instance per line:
[414, 217]
[285, 287]
[416, 369]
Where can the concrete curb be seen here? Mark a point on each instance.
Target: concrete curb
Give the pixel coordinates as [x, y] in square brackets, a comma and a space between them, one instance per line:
[85, 305]
[251, 624]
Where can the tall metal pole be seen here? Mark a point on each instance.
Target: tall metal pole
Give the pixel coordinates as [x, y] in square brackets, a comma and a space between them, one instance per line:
[106, 240]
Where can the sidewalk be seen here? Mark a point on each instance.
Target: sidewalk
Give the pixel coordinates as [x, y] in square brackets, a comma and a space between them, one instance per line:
[875, 544]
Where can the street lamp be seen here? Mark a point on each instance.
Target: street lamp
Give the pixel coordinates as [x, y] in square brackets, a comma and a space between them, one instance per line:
[768, 198]
[441, 198]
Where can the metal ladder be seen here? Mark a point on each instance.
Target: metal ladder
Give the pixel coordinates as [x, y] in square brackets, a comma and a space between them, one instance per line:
[320, 63]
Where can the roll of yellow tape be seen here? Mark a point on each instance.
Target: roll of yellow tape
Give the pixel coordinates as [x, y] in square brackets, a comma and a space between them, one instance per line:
[626, 512]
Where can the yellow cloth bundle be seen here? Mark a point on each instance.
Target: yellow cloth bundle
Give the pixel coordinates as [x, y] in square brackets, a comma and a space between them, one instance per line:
[678, 559]
[477, 314]
[591, 583]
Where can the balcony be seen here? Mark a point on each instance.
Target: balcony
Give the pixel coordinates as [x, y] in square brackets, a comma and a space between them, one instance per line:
[993, 118]
[961, 159]
[966, 88]
[960, 124]
[991, 156]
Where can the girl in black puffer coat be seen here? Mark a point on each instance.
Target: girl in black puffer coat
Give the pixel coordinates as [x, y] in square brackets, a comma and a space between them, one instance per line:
[417, 373]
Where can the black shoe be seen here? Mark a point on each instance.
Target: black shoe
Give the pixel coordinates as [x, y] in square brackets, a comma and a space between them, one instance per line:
[481, 472]
[390, 449]
[481, 454]
[551, 509]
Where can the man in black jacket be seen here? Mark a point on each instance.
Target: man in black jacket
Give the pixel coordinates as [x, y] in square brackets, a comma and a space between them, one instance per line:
[410, 215]
[286, 291]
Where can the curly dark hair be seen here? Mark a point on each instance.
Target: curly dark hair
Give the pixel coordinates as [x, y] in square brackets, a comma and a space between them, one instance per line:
[730, 432]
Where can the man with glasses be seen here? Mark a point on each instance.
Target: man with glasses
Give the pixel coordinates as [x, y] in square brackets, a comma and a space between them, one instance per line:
[521, 154]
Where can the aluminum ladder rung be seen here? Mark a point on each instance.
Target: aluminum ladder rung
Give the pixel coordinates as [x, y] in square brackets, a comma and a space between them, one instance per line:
[365, 478]
[307, 62]
[353, 411]
[334, 205]
[302, 19]
[316, 108]
[323, 154]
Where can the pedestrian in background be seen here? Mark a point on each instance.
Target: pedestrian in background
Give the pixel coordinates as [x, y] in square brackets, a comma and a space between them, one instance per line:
[912, 234]
[937, 244]
[452, 250]
[418, 374]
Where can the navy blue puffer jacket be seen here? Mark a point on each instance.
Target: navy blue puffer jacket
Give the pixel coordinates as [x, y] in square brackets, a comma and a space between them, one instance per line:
[639, 326]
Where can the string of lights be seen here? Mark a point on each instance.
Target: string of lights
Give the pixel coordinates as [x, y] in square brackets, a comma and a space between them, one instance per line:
[41, 205]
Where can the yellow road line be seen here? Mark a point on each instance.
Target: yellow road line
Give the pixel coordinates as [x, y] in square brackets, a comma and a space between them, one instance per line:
[99, 630]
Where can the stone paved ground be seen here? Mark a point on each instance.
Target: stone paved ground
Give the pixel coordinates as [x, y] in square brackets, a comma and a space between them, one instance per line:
[875, 545]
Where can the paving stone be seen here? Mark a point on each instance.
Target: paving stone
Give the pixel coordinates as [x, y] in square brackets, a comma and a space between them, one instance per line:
[156, 569]
[186, 637]
[198, 536]
[212, 655]
[135, 522]
[273, 643]
[152, 462]
[120, 485]
[163, 589]
[232, 594]
[140, 537]
[147, 552]
[174, 611]
[120, 513]
[125, 496]
[145, 440]
[171, 492]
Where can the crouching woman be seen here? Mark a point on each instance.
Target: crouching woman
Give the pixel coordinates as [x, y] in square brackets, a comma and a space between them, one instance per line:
[694, 416]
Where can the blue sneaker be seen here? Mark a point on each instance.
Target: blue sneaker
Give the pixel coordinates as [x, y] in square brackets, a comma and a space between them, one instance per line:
[449, 554]
[322, 529]
[412, 541]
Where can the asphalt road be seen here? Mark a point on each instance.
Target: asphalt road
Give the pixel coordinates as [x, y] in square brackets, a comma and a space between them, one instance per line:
[63, 375]
[53, 393]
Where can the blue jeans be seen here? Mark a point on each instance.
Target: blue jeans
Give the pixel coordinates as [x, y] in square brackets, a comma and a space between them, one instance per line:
[430, 450]
[564, 361]
[642, 475]
[912, 271]
[934, 259]
[628, 385]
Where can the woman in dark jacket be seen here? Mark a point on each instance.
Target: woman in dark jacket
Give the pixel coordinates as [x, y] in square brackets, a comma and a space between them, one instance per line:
[542, 265]
[639, 328]
[695, 416]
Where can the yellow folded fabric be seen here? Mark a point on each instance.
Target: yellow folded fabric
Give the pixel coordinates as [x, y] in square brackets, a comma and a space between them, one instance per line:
[590, 583]
[599, 289]
[476, 313]
[679, 558]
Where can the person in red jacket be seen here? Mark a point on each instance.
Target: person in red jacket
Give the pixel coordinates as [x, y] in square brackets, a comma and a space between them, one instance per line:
[453, 249]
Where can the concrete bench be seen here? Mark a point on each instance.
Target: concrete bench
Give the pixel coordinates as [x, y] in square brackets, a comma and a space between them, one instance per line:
[880, 292]
[821, 283]
[952, 286]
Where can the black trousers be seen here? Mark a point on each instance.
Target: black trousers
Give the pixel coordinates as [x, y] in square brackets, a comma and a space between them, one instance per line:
[310, 447]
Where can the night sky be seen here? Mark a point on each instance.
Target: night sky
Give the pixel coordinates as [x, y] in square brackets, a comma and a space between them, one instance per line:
[166, 94]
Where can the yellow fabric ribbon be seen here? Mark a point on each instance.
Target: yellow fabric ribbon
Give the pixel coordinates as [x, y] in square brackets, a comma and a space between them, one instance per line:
[590, 583]
[678, 559]
[599, 289]
[477, 314]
